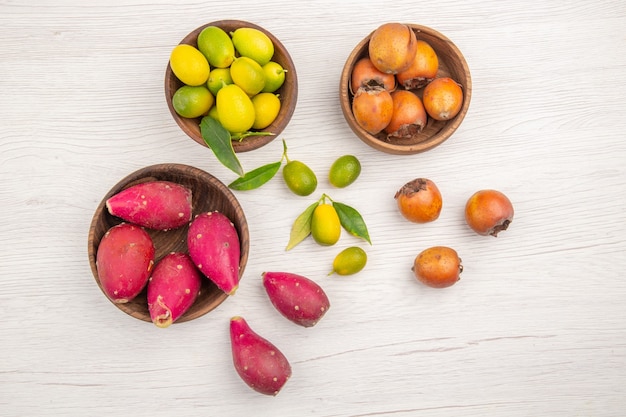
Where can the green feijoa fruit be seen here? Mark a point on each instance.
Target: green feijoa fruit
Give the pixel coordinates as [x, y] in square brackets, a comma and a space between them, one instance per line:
[349, 261]
[344, 171]
[216, 46]
[300, 179]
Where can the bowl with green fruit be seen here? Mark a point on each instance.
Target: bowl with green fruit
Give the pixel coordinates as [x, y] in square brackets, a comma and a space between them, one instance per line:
[231, 79]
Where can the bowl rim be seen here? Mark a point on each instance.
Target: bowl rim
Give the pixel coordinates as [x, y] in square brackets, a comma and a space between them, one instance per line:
[399, 149]
[251, 142]
[153, 171]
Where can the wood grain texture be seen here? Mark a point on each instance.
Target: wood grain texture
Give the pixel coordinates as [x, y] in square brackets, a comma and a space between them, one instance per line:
[536, 324]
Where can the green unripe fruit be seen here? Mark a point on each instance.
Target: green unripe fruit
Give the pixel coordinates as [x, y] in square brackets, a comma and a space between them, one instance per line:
[344, 171]
[216, 46]
[349, 261]
[300, 179]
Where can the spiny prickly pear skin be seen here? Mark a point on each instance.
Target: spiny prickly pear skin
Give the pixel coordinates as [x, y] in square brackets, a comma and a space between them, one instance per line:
[214, 247]
[159, 205]
[297, 298]
[124, 261]
[258, 362]
[173, 288]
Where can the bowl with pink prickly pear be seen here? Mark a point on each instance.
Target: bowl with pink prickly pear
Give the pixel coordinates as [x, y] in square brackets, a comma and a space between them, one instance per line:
[168, 243]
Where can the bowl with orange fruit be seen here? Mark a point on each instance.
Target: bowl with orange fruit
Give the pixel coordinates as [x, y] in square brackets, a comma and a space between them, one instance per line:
[405, 88]
[239, 68]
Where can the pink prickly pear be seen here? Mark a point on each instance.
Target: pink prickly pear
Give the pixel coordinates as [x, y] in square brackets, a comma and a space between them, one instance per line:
[124, 260]
[213, 244]
[159, 205]
[172, 288]
[298, 298]
[258, 362]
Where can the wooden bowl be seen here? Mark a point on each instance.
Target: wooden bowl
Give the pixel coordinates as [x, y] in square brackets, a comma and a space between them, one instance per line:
[288, 92]
[208, 193]
[451, 64]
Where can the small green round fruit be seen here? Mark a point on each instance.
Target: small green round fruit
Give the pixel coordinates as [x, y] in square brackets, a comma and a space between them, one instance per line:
[344, 171]
[218, 77]
[349, 261]
[274, 76]
[216, 45]
[192, 101]
[300, 179]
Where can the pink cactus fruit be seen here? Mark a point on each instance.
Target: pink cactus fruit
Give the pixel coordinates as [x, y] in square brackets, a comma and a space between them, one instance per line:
[213, 244]
[173, 288]
[258, 362]
[297, 298]
[159, 205]
[124, 261]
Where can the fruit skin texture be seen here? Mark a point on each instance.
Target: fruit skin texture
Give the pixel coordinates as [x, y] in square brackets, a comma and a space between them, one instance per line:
[300, 179]
[423, 68]
[442, 98]
[349, 261]
[124, 261]
[173, 288]
[214, 247]
[216, 46]
[392, 47]
[254, 44]
[419, 200]
[297, 298]
[365, 74]
[344, 171]
[192, 101]
[159, 205]
[488, 212]
[325, 225]
[258, 362]
[408, 117]
[189, 65]
[266, 109]
[234, 108]
[218, 77]
[248, 75]
[372, 108]
[274, 76]
[438, 267]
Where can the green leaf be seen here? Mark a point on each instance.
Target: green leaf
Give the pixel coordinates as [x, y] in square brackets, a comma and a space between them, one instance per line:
[301, 228]
[352, 221]
[219, 141]
[256, 178]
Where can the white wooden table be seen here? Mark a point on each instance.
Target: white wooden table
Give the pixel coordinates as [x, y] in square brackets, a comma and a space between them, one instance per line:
[536, 326]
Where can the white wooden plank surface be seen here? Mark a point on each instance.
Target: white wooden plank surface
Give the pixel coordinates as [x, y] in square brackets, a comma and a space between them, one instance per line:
[535, 327]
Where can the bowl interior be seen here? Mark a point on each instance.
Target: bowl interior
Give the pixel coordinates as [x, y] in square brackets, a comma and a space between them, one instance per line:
[208, 194]
[288, 92]
[451, 64]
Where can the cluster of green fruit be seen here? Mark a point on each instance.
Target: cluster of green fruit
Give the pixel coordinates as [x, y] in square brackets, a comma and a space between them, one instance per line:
[325, 218]
[230, 77]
